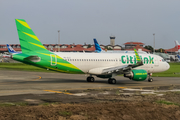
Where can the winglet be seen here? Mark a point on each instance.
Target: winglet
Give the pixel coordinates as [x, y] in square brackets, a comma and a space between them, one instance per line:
[137, 56]
[138, 59]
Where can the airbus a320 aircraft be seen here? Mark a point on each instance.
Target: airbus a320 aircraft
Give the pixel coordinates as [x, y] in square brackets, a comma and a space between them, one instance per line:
[104, 65]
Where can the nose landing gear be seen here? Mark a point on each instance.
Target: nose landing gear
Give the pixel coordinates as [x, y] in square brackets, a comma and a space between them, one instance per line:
[149, 77]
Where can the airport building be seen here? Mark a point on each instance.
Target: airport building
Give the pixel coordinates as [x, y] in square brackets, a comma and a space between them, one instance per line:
[130, 45]
[87, 47]
[64, 47]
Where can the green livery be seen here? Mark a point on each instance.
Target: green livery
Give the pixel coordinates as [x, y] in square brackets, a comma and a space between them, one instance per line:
[34, 53]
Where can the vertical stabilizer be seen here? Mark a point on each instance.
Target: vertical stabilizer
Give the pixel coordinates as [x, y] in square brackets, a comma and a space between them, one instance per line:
[28, 40]
[10, 49]
[177, 45]
[97, 46]
[176, 42]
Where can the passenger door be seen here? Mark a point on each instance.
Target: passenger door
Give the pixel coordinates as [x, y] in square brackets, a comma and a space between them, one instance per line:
[53, 59]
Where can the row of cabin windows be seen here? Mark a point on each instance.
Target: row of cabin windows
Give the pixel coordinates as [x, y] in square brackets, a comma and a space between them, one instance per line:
[90, 60]
[99, 60]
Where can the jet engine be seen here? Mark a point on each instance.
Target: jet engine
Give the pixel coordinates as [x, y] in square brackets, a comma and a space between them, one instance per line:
[137, 75]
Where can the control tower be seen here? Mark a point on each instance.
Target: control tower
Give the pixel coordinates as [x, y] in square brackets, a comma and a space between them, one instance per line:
[112, 40]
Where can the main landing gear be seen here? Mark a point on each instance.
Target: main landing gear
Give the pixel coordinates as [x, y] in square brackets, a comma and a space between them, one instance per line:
[112, 81]
[90, 79]
[149, 77]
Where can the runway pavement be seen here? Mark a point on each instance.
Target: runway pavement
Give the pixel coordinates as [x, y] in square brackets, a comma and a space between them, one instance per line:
[23, 82]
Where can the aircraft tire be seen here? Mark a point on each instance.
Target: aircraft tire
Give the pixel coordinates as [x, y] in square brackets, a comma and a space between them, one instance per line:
[109, 81]
[112, 81]
[150, 80]
[90, 79]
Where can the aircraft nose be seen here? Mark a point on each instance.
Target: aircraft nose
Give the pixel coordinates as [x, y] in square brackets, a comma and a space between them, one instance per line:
[167, 66]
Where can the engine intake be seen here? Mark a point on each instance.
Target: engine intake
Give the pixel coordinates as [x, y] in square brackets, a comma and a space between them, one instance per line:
[137, 75]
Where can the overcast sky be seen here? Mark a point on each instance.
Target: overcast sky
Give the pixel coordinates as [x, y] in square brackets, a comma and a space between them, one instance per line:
[79, 21]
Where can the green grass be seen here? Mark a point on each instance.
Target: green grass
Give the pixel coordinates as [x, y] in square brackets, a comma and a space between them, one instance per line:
[174, 71]
[13, 104]
[22, 67]
[166, 102]
[65, 113]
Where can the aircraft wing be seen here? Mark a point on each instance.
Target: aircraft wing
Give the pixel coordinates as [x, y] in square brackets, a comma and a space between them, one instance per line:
[117, 69]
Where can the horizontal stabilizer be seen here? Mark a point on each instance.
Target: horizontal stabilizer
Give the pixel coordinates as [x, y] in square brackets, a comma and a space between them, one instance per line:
[33, 58]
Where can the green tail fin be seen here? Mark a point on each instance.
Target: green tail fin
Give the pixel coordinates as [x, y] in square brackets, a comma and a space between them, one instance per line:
[28, 40]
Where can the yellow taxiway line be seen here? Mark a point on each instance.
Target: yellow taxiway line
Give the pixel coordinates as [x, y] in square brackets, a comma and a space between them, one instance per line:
[58, 92]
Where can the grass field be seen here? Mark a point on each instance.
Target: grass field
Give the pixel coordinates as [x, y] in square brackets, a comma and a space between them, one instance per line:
[174, 70]
[22, 67]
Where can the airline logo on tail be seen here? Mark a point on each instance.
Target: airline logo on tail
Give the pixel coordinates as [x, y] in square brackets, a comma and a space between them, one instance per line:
[177, 45]
[11, 50]
[97, 46]
[178, 57]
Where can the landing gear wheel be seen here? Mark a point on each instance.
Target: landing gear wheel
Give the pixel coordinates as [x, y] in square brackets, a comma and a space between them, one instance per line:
[150, 80]
[112, 81]
[90, 79]
[109, 80]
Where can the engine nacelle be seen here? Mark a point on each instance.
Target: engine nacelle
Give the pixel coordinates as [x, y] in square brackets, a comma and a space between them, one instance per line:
[137, 75]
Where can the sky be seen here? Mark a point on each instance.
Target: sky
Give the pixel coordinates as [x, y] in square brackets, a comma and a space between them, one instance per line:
[79, 21]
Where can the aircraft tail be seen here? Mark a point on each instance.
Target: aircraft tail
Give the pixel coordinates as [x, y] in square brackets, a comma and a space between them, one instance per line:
[10, 49]
[28, 40]
[176, 43]
[97, 46]
[178, 56]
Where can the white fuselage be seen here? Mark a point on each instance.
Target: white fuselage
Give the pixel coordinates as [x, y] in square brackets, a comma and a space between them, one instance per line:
[87, 61]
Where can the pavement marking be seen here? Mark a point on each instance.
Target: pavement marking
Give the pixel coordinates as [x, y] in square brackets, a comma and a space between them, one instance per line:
[58, 92]
[122, 87]
[2, 83]
[39, 77]
[90, 88]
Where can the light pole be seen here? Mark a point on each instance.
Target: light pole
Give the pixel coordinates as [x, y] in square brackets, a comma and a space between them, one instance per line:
[154, 41]
[58, 40]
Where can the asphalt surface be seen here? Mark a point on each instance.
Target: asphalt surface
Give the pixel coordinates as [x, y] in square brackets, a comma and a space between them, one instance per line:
[23, 82]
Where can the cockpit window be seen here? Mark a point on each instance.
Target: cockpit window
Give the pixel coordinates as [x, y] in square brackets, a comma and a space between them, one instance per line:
[163, 60]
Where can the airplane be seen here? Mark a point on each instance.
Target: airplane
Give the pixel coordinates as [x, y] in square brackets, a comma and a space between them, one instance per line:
[178, 57]
[134, 66]
[176, 49]
[11, 50]
[99, 50]
[177, 45]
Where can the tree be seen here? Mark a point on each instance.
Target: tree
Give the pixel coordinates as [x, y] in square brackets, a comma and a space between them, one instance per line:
[108, 48]
[149, 48]
[89, 46]
[160, 50]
